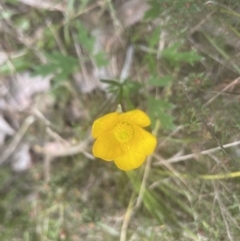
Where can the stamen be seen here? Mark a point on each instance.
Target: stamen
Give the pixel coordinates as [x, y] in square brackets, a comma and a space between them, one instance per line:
[123, 132]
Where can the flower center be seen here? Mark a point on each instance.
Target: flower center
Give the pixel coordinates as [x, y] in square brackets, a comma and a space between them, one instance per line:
[123, 132]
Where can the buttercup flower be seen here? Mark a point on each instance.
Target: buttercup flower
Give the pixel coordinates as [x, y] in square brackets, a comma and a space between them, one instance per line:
[121, 138]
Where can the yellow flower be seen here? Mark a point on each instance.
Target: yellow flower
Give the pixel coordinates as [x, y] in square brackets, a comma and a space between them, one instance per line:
[121, 138]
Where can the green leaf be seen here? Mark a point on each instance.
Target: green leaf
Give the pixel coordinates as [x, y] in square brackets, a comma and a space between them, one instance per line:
[23, 24]
[151, 62]
[154, 10]
[130, 87]
[160, 81]
[129, 91]
[154, 39]
[43, 70]
[100, 59]
[18, 64]
[88, 42]
[84, 38]
[158, 110]
[175, 57]
[152, 201]
[60, 65]
[14, 2]
[110, 82]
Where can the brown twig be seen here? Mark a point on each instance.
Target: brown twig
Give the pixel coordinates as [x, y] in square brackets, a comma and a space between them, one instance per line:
[194, 155]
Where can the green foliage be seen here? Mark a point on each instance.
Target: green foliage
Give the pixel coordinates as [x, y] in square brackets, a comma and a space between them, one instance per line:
[110, 82]
[113, 86]
[175, 7]
[88, 43]
[100, 59]
[153, 40]
[130, 91]
[49, 41]
[84, 38]
[23, 24]
[158, 109]
[60, 65]
[12, 1]
[160, 81]
[124, 92]
[150, 61]
[84, 3]
[15, 65]
[14, 213]
[175, 57]
[154, 11]
[161, 108]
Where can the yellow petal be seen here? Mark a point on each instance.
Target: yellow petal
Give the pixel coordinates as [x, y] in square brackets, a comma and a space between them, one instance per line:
[105, 123]
[107, 147]
[142, 142]
[136, 117]
[130, 160]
